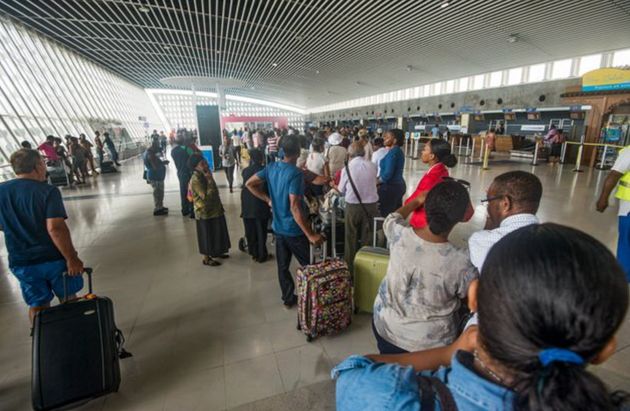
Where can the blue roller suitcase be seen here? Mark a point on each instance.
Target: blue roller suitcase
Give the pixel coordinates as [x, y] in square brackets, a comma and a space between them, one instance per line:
[76, 347]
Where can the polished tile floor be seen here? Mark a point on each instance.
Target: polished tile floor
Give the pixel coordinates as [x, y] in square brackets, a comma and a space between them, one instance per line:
[208, 338]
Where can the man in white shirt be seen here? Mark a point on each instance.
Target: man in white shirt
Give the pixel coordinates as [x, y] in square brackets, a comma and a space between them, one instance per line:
[513, 200]
[620, 175]
[380, 151]
[361, 200]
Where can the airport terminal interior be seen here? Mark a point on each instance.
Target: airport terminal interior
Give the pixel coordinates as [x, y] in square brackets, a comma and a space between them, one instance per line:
[501, 86]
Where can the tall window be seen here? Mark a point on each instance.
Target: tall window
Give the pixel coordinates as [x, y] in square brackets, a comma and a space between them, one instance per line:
[621, 58]
[478, 82]
[495, 78]
[589, 63]
[515, 76]
[561, 69]
[536, 73]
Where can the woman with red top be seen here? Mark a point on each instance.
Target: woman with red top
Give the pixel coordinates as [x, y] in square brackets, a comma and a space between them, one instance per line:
[437, 154]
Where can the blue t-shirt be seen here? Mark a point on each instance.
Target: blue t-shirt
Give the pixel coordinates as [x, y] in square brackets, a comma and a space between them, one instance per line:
[25, 205]
[283, 179]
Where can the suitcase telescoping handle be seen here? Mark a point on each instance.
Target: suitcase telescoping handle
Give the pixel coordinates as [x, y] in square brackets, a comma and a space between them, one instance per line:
[376, 220]
[312, 252]
[86, 270]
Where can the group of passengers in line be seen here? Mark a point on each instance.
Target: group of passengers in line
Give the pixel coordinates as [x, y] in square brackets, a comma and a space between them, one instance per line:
[75, 154]
[534, 289]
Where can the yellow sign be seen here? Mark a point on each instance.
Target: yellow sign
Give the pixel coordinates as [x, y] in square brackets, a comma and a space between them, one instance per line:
[606, 79]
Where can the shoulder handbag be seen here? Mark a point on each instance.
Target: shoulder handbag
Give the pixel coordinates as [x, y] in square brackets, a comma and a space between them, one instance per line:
[430, 388]
[356, 193]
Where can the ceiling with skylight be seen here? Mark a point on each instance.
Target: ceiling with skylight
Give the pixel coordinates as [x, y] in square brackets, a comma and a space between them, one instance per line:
[314, 53]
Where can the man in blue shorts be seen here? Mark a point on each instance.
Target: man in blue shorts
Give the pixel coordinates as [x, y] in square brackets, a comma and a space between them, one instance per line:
[37, 238]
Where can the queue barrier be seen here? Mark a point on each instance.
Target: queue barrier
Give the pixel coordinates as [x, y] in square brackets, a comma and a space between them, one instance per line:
[581, 144]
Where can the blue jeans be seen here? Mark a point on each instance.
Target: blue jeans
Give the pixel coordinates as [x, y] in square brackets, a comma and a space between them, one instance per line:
[287, 247]
[623, 245]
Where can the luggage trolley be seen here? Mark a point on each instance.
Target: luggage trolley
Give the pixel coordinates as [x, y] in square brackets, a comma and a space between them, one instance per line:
[57, 174]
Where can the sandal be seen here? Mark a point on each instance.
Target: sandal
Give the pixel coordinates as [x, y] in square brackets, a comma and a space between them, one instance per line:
[210, 262]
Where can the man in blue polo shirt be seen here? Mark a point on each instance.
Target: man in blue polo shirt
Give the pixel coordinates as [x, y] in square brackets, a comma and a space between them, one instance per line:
[37, 238]
[285, 188]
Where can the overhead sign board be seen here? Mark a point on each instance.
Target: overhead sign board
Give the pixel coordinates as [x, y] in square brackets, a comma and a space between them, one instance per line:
[606, 79]
[533, 127]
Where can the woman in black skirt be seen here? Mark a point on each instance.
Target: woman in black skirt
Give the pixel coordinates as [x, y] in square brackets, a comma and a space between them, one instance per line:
[212, 232]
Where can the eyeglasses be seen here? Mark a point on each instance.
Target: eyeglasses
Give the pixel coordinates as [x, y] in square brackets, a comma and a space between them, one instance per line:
[497, 197]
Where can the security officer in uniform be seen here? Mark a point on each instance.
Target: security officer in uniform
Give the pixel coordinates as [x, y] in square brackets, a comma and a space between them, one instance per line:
[620, 174]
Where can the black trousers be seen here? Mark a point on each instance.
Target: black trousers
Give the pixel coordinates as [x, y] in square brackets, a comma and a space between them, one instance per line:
[229, 173]
[287, 247]
[256, 235]
[390, 197]
[187, 207]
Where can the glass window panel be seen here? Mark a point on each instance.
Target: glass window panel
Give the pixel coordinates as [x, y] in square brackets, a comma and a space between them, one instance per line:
[536, 73]
[514, 76]
[478, 82]
[495, 78]
[621, 58]
[561, 69]
[589, 63]
[450, 86]
[463, 84]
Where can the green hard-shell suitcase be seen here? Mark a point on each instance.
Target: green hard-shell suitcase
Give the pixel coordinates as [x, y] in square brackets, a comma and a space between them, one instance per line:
[370, 267]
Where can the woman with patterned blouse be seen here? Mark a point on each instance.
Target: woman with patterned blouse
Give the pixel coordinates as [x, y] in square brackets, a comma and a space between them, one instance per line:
[212, 231]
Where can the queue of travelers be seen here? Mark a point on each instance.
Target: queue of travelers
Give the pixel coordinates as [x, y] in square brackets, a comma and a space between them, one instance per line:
[442, 314]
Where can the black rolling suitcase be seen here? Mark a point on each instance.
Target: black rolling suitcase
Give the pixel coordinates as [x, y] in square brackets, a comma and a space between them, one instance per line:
[108, 167]
[76, 347]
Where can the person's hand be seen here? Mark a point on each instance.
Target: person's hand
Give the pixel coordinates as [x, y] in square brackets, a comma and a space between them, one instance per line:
[75, 266]
[602, 205]
[269, 202]
[316, 239]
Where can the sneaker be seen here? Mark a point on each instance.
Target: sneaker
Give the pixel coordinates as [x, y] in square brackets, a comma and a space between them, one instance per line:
[162, 211]
[290, 304]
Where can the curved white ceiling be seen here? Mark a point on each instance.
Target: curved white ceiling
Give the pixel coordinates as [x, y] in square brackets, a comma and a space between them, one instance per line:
[314, 52]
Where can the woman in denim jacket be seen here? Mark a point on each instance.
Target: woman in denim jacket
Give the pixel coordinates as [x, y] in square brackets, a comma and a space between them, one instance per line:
[550, 301]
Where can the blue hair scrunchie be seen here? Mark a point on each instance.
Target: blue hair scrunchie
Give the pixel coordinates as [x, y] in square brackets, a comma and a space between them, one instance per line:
[551, 355]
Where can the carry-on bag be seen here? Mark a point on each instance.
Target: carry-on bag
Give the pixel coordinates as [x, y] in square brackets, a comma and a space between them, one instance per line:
[324, 296]
[108, 167]
[57, 176]
[76, 347]
[370, 267]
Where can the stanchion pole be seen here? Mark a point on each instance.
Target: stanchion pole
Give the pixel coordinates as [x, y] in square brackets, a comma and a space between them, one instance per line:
[472, 150]
[486, 156]
[535, 159]
[453, 144]
[601, 163]
[459, 146]
[564, 152]
[578, 162]
[482, 148]
[467, 145]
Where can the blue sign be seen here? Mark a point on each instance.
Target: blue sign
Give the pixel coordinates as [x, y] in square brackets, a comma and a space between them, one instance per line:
[531, 109]
[466, 109]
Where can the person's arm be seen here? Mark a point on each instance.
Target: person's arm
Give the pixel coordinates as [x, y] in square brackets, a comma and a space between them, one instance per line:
[412, 205]
[434, 358]
[60, 235]
[609, 185]
[255, 185]
[298, 214]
